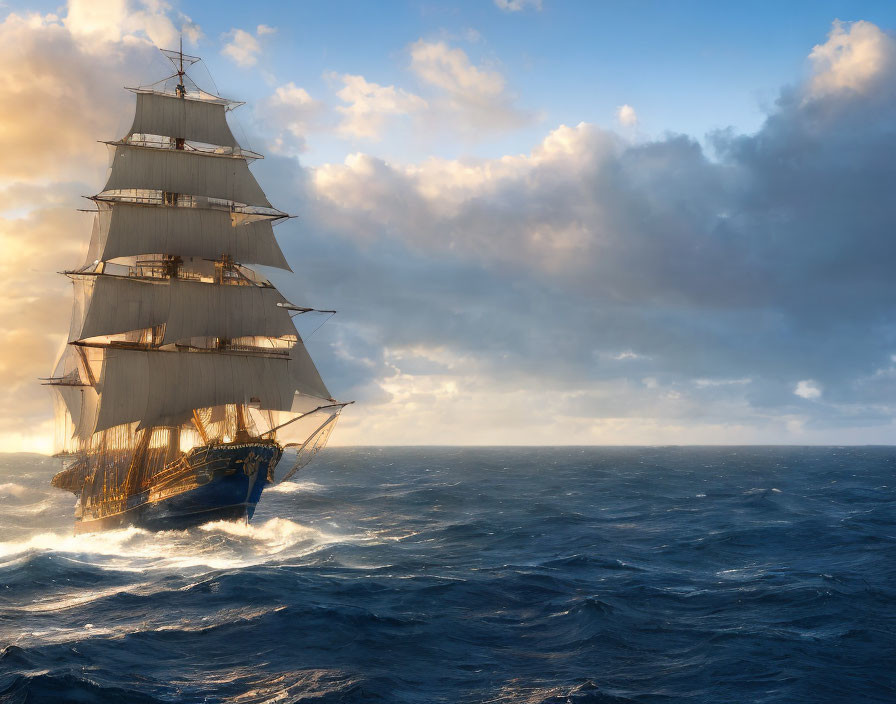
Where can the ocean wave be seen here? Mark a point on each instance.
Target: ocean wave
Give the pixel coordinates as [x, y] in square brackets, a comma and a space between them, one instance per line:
[67, 687]
[292, 487]
[13, 489]
[216, 545]
[536, 576]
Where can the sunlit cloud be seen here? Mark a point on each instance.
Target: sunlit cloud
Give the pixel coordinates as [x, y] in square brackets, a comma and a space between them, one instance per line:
[291, 113]
[369, 105]
[244, 48]
[475, 95]
[626, 116]
[854, 55]
[582, 289]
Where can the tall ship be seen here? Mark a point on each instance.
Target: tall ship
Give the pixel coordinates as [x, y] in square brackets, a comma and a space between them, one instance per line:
[185, 387]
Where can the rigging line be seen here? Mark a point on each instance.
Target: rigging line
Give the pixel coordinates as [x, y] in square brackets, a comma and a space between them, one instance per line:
[167, 78]
[340, 405]
[217, 92]
[321, 325]
[210, 77]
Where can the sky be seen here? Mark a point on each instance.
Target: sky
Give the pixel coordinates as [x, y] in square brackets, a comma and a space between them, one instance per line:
[542, 222]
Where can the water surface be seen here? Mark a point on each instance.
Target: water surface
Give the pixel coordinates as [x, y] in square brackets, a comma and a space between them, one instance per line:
[541, 576]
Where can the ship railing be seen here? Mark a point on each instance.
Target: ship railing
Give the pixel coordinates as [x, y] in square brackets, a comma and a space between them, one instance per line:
[169, 143]
[143, 196]
[159, 269]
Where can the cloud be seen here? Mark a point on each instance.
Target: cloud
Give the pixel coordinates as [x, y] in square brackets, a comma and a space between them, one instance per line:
[98, 22]
[463, 91]
[292, 113]
[853, 57]
[807, 389]
[730, 275]
[369, 105]
[73, 92]
[69, 71]
[496, 300]
[704, 383]
[626, 116]
[244, 48]
[517, 5]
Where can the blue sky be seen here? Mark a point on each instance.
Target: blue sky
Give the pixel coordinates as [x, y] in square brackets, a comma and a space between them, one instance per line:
[689, 67]
[686, 67]
[629, 222]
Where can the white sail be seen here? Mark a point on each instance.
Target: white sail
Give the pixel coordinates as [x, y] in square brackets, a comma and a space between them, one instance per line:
[209, 310]
[189, 173]
[163, 388]
[129, 229]
[193, 120]
[119, 304]
[81, 403]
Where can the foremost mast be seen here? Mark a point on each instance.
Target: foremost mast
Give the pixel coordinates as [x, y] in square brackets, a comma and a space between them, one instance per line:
[184, 381]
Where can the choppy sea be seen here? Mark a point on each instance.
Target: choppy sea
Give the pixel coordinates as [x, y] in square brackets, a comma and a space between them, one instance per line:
[540, 576]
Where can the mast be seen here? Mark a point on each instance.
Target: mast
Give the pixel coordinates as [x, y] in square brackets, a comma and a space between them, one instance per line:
[181, 91]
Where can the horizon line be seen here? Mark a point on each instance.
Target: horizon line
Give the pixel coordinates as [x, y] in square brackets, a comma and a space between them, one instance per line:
[537, 447]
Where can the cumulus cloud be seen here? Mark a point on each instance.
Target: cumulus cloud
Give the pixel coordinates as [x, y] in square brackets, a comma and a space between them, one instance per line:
[626, 116]
[291, 112]
[98, 22]
[462, 91]
[730, 275]
[807, 389]
[69, 71]
[73, 94]
[590, 290]
[517, 5]
[853, 57]
[244, 48]
[369, 105]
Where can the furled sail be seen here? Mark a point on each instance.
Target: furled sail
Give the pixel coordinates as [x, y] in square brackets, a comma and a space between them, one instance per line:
[129, 229]
[190, 173]
[163, 388]
[194, 120]
[119, 304]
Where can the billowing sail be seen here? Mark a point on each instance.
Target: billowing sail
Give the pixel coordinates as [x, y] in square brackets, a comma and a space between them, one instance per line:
[129, 229]
[119, 304]
[193, 120]
[189, 173]
[164, 388]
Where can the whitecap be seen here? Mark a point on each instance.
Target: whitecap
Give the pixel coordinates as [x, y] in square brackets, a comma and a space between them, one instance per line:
[217, 545]
[294, 487]
[12, 489]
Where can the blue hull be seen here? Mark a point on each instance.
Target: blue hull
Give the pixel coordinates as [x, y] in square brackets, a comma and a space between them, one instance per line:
[224, 483]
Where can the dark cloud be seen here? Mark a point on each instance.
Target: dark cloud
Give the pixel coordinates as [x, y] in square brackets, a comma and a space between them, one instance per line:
[767, 261]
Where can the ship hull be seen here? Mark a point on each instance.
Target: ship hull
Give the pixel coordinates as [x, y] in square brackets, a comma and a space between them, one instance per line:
[224, 482]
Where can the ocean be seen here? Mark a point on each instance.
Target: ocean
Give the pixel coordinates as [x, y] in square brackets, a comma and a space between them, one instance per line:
[531, 575]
